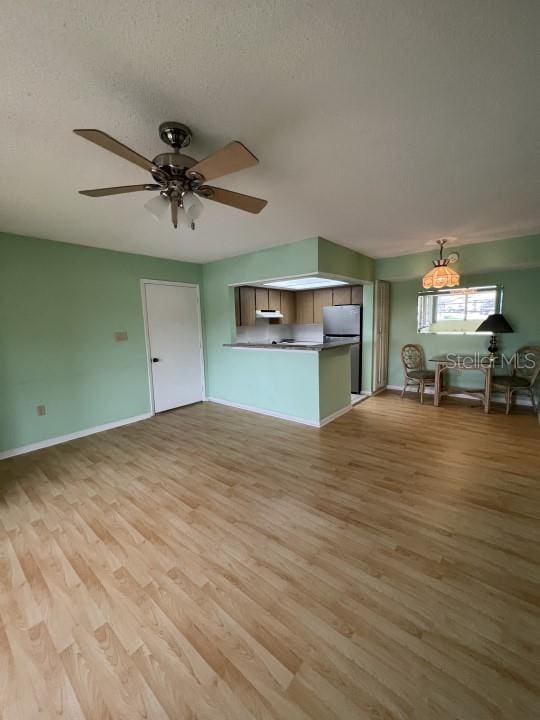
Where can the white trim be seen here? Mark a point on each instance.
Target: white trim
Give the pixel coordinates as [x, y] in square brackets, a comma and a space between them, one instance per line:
[495, 397]
[260, 411]
[143, 282]
[72, 436]
[147, 347]
[334, 416]
[282, 416]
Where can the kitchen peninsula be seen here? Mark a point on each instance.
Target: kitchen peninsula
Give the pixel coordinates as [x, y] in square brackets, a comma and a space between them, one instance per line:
[304, 386]
[303, 339]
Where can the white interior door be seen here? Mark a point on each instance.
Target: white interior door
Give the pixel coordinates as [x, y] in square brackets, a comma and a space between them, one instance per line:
[174, 338]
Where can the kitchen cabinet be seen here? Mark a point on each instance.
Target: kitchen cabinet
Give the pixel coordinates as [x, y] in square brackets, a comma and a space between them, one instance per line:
[237, 306]
[304, 307]
[247, 305]
[248, 300]
[261, 298]
[288, 307]
[356, 294]
[274, 300]
[321, 298]
[341, 295]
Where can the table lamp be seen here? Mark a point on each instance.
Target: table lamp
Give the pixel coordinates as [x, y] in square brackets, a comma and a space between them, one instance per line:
[494, 324]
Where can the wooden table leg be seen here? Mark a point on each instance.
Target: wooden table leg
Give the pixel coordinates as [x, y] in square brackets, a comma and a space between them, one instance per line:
[487, 389]
[437, 393]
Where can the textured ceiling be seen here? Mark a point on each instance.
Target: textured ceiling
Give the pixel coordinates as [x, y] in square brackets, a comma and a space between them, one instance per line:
[379, 124]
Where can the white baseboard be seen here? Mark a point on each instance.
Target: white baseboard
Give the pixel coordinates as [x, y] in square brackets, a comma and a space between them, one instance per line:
[334, 416]
[282, 416]
[260, 411]
[495, 397]
[72, 436]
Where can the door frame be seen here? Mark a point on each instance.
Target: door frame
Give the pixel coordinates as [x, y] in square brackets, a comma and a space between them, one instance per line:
[143, 283]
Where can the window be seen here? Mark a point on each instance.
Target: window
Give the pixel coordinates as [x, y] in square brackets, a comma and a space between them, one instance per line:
[457, 310]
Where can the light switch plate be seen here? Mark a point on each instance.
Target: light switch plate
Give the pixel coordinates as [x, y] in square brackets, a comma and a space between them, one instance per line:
[120, 335]
[41, 410]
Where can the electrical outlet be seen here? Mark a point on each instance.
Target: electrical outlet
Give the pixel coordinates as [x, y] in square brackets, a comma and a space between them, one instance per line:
[120, 335]
[41, 409]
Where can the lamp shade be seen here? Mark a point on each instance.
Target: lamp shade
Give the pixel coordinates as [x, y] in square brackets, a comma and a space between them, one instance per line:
[440, 276]
[157, 206]
[495, 323]
[192, 206]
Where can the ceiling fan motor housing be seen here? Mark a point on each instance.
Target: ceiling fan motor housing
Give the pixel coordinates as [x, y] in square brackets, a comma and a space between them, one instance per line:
[174, 164]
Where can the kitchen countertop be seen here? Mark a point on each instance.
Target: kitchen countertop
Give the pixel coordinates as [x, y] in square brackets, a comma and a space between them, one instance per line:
[314, 347]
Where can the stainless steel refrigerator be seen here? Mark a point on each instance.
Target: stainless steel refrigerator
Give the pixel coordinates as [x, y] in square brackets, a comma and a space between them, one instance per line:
[345, 321]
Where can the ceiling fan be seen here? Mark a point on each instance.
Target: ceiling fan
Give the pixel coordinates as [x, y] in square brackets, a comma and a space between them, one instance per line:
[180, 178]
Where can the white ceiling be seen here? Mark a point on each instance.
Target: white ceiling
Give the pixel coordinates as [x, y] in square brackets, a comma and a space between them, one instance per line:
[379, 124]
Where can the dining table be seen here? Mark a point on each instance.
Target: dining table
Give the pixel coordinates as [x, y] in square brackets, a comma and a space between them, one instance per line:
[463, 362]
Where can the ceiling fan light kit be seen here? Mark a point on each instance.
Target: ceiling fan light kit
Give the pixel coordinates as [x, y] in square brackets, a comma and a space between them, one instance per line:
[179, 178]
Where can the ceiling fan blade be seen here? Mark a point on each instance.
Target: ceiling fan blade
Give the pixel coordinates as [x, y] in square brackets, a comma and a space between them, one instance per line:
[229, 159]
[109, 143]
[174, 212]
[228, 197]
[102, 192]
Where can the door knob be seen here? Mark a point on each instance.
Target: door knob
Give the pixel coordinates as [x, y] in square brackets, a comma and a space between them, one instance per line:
[155, 359]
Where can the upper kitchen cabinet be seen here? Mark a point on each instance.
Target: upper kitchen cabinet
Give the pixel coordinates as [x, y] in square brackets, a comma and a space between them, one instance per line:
[250, 299]
[356, 295]
[247, 305]
[274, 300]
[237, 306]
[304, 307]
[288, 306]
[321, 298]
[261, 298]
[310, 303]
[341, 295]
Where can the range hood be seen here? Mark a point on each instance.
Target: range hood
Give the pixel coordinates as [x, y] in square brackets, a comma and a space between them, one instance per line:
[269, 314]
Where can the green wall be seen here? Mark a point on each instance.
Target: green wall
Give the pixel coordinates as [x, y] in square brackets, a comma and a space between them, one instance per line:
[512, 253]
[338, 260]
[279, 381]
[521, 300]
[334, 380]
[61, 303]
[59, 307]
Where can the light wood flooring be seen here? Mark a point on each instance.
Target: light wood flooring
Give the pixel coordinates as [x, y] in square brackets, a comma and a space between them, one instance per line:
[214, 564]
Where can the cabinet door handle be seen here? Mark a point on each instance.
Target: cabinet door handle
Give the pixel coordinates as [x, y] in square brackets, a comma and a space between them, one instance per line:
[155, 359]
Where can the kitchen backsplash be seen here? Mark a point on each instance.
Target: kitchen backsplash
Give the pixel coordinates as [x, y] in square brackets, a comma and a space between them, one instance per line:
[307, 332]
[264, 332]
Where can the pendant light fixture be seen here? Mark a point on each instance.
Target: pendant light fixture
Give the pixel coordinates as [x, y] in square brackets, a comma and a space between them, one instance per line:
[441, 275]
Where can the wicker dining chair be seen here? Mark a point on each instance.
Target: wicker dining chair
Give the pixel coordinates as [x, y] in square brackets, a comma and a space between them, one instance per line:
[414, 369]
[525, 369]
